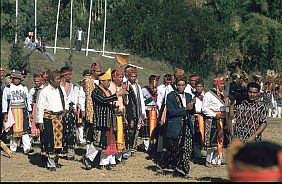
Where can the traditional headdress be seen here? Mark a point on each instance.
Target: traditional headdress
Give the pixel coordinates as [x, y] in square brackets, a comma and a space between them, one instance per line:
[106, 75]
[117, 72]
[65, 70]
[247, 173]
[218, 80]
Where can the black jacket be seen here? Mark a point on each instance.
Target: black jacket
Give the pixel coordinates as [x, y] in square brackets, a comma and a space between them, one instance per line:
[175, 114]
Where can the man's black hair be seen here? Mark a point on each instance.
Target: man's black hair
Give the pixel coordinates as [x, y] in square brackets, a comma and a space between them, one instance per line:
[181, 79]
[263, 154]
[199, 81]
[253, 85]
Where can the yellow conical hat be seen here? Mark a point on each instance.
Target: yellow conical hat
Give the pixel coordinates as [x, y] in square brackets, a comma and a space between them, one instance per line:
[107, 75]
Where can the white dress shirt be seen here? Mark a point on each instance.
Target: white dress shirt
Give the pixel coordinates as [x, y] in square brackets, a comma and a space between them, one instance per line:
[79, 97]
[163, 91]
[211, 104]
[198, 104]
[49, 99]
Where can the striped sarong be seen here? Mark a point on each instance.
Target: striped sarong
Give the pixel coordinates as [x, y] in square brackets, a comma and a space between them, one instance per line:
[21, 125]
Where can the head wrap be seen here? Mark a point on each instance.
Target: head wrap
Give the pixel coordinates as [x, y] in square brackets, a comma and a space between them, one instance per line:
[86, 72]
[105, 76]
[117, 72]
[65, 70]
[246, 175]
[218, 80]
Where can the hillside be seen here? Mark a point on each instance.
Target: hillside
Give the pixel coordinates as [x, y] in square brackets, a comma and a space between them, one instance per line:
[80, 62]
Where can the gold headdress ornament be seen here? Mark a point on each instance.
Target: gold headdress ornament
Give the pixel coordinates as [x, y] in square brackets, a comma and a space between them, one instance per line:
[122, 58]
[106, 76]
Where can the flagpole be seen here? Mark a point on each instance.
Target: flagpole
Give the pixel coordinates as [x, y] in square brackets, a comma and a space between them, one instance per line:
[90, 15]
[16, 35]
[105, 22]
[56, 35]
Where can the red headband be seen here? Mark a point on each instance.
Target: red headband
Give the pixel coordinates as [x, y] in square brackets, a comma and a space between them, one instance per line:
[265, 175]
[194, 78]
[66, 73]
[218, 80]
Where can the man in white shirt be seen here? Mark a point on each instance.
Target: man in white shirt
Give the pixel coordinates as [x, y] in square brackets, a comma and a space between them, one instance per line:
[191, 87]
[79, 35]
[17, 113]
[135, 110]
[51, 108]
[198, 121]
[213, 108]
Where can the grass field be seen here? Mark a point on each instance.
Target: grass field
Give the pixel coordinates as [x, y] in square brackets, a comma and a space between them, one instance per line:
[39, 63]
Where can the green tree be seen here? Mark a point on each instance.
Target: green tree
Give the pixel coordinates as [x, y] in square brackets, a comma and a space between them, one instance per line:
[17, 59]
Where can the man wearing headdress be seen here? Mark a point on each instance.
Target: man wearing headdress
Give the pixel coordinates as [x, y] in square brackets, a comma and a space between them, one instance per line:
[214, 108]
[51, 109]
[150, 96]
[17, 113]
[135, 110]
[191, 88]
[69, 119]
[95, 72]
[119, 113]
[104, 122]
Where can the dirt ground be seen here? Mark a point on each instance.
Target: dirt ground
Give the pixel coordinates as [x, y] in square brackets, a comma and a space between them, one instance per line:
[29, 168]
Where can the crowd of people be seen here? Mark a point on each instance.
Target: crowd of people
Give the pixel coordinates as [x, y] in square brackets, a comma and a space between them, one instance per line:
[112, 116]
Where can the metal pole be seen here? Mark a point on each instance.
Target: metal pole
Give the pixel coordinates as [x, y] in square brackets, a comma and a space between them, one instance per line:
[90, 15]
[35, 19]
[71, 27]
[16, 34]
[105, 21]
[56, 35]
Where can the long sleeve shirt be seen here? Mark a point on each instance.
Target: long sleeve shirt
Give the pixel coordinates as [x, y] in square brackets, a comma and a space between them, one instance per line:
[49, 99]
[163, 91]
[134, 87]
[211, 104]
[17, 95]
[79, 97]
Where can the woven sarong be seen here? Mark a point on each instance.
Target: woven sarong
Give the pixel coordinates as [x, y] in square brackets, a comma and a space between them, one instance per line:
[57, 128]
[21, 125]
